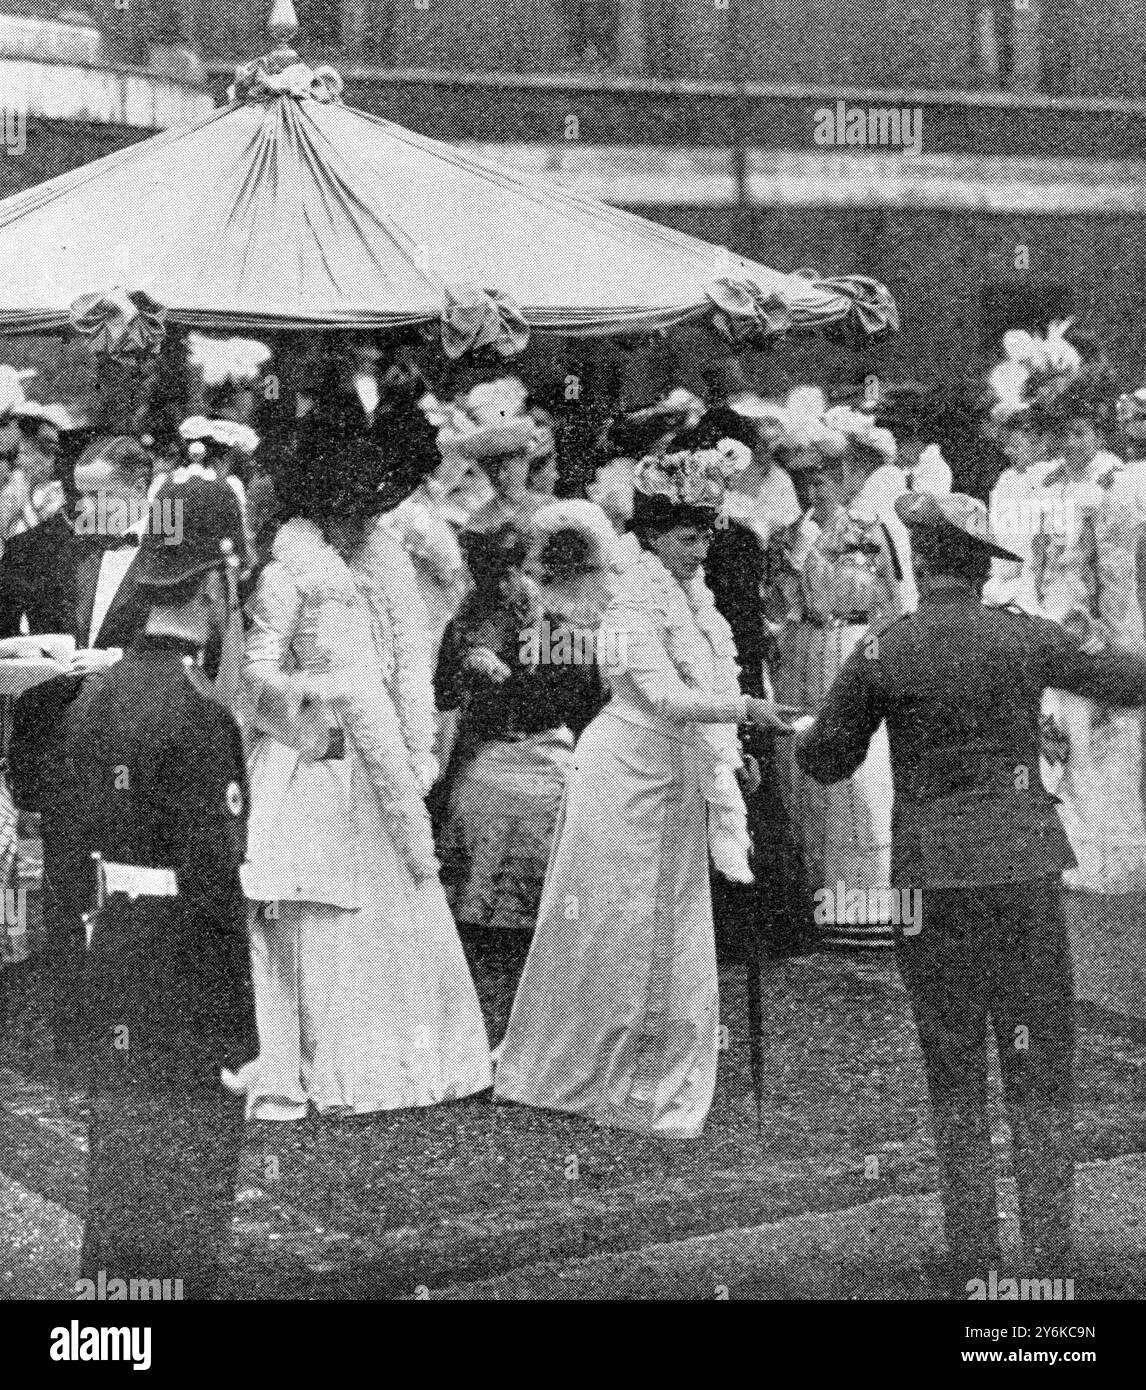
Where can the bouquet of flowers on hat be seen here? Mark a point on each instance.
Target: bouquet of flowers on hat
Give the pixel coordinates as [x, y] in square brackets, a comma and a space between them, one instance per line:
[692, 478]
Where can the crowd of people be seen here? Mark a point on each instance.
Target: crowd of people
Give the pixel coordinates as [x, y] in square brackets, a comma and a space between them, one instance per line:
[482, 714]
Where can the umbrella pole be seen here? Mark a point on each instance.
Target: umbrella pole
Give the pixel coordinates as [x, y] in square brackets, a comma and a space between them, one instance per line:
[756, 1023]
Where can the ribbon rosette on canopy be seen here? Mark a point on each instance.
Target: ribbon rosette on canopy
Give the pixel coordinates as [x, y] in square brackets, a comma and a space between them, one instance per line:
[124, 327]
[745, 316]
[474, 319]
[872, 315]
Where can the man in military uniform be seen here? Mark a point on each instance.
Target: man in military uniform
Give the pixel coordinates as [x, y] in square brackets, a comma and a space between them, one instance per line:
[157, 797]
[960, 687]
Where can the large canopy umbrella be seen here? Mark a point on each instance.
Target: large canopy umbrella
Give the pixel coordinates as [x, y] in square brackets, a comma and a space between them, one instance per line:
[286, 209]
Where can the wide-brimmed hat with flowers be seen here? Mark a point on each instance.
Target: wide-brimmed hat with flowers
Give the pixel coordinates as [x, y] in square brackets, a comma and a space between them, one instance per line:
[692, 477]
[817, 442]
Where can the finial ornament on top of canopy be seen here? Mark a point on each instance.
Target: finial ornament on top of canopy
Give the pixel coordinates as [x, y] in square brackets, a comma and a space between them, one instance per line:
[282, 73]
[282, 27]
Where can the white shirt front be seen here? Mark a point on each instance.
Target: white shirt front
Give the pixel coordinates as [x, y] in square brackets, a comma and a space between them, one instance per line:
[114, 564]
[366, 388]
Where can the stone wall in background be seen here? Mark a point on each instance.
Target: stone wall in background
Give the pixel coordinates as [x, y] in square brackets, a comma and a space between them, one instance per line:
[1058, 46]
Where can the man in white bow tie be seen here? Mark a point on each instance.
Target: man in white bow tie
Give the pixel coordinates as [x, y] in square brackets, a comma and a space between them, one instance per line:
[71, 575]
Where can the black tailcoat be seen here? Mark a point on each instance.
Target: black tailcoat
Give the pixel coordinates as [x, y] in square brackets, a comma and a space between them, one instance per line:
[49, 574]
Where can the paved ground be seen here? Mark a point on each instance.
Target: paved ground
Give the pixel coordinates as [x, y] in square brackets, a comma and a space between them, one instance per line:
[879, 1250]
[432, 1199]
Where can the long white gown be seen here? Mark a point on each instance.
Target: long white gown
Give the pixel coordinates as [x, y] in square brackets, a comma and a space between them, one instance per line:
[363, 996]
[1087, 555]
[617, 1012]
[848, 580]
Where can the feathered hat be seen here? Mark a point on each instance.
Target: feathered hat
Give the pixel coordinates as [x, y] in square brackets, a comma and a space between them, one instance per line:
[1046, 380]
[1032, 362]
[807, 438]
[860, 430]
[816, 433]
[646, 431]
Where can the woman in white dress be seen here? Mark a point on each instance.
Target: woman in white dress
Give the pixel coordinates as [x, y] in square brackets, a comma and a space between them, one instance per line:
[1015, 508]
[363, 996]
[1086, 571]
[616, 1014]
[845, 571]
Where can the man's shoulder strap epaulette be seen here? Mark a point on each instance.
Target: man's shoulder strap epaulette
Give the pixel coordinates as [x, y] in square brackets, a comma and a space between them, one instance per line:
[881, 629]
[1016, 609]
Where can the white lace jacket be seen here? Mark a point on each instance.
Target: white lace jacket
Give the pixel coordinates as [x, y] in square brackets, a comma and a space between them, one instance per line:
[670, 659]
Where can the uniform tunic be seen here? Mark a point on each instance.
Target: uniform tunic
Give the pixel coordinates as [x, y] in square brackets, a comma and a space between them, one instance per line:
[959, 687]
[154, 777]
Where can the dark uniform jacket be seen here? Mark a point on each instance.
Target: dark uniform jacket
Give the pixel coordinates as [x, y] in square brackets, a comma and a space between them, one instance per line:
[960, 685]
[50, 574]
[154, 776]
